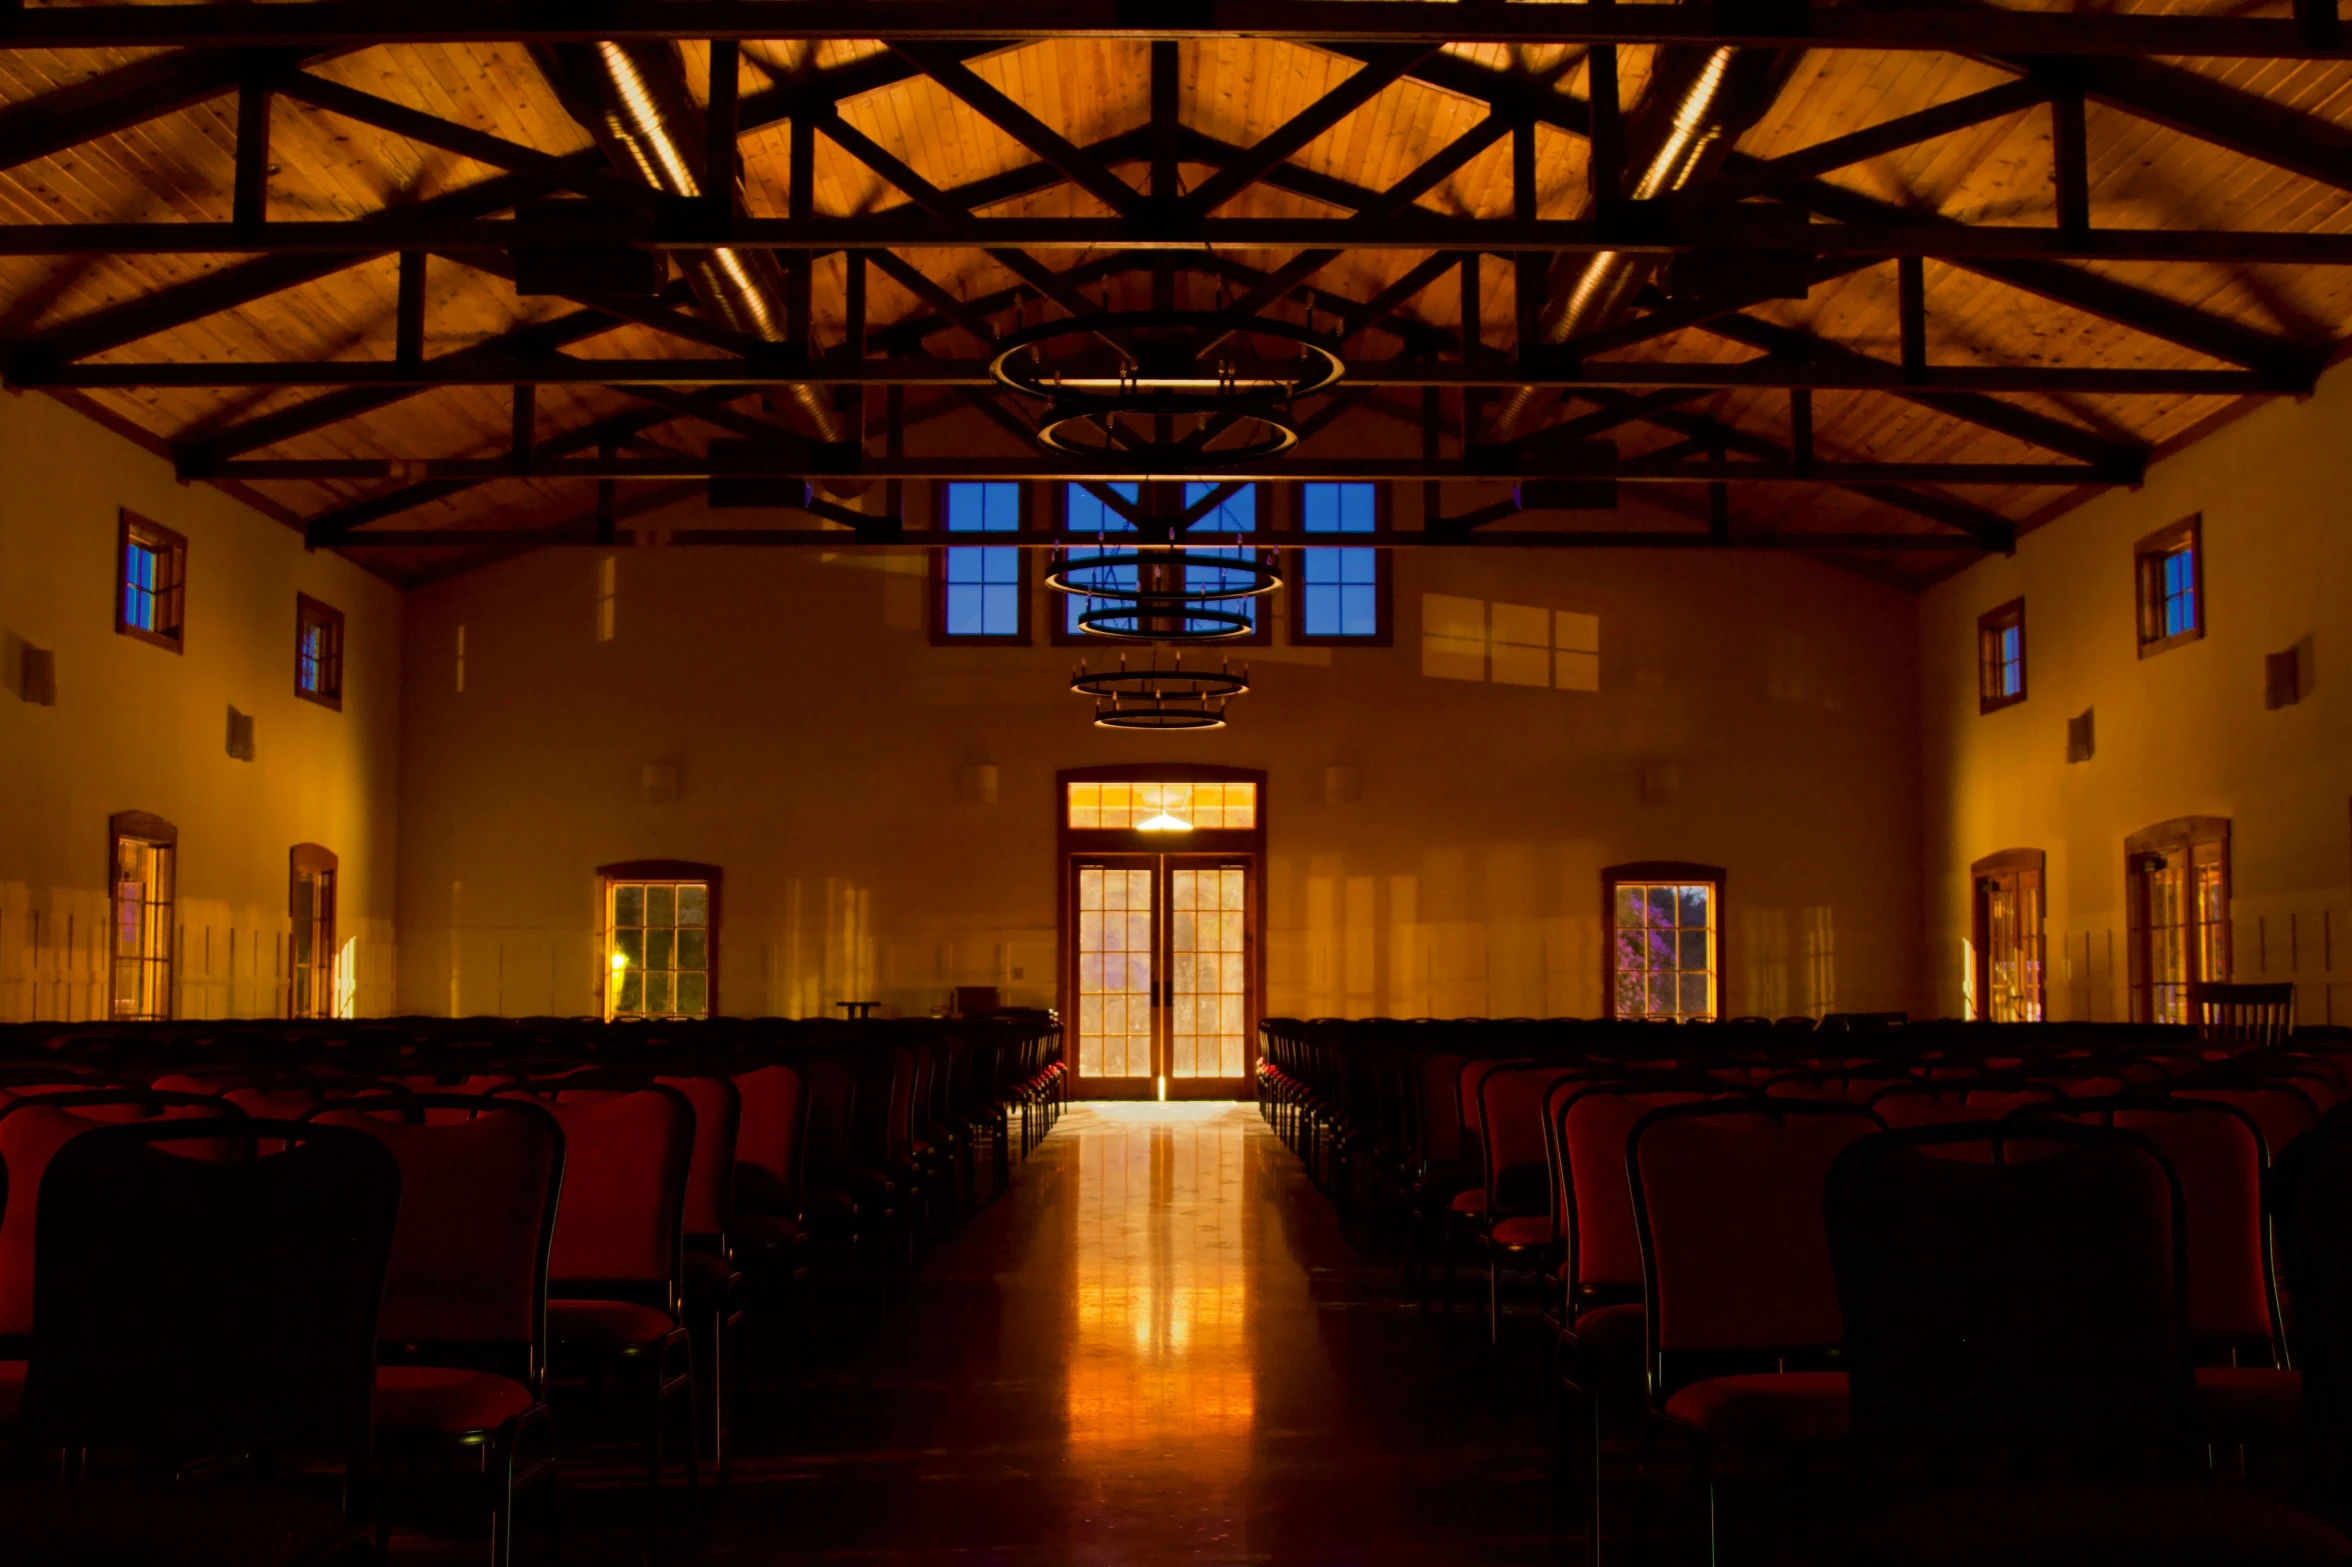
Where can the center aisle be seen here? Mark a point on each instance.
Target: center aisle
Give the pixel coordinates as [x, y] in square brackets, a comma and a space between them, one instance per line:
[1156, 1348]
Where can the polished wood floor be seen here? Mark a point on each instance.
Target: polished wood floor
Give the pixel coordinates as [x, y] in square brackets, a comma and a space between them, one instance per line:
[1157, 1348]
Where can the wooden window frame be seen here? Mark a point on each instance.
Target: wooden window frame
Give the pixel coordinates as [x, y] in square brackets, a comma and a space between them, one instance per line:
[1686, 872]
[1058, 632]
[1980, 921]
[174, 549]
[310, 612]
[2148, 584]
[1383, 576]
[1989, 626]
[2181, 835]
[142, 827]
[940, 635]
[655, 870]
[313, 861]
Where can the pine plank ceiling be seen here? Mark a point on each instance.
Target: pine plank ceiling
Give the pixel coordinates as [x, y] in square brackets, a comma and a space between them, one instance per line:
[2089, 257]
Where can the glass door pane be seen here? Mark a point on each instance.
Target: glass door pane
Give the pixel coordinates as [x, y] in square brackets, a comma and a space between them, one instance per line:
[1115, 942]
[1208, 910]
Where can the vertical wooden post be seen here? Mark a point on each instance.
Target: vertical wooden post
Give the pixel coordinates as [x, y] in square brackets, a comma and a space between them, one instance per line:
[719, 124]
[250, 202]
[409, 316]
[1911, 311]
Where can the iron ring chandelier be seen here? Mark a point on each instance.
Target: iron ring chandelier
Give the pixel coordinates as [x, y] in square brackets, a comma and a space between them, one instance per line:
[1259, 577]
[1153, 698]
[1163, 366]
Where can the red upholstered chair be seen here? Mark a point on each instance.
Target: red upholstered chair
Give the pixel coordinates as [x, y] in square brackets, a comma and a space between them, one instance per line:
[616, 1273]
[2246, 1392]
[713, 1287]
[32, 1129]
[2284, 1110]
[2017, 1310]
[1517, 1221]
[1465, 1213]
[1741, 1306]
[1604, 1387]
[1952, 1104]
[464, 1326]
[186, 1308]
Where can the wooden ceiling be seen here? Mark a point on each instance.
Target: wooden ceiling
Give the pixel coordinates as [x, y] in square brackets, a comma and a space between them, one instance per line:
[2033, 265]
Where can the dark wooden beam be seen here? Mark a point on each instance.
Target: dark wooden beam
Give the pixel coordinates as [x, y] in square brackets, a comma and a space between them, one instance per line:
[2195, 104]
[523, 427]
[1801, 430]
[1370, 79]
[720, 125]
[1979, 247]
[1976, 408]
[145, 315]
[584, 175]
[1907, 130]
[1768, 464]
[1838, 370]
[131, 95]
[1166, 90]
[408, 333]
[926, 23]
[1911, 315]
[1041, 139]
[249, 207]
[561, 536]
[1604, 174]
[2070, 158]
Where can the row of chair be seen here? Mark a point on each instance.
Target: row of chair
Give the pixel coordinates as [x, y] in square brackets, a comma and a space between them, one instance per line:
[1667, 1186]
[571, 1206]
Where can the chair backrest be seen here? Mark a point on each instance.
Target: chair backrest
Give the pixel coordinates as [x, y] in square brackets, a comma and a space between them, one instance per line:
[619, 1229]
[2311, 1208]
[1518, 1171]
[2217, 1154]
[1604, 1247]
[31, 1132]
[1728, 1201]
[770, 1135]
[204, 1305]
[2019, 1285]
[1953, 1104]
[479, 1185]
[710, 1176]
[1470, 1111]
[2246, 1017]
[1437, 1076]
[2284, 1111]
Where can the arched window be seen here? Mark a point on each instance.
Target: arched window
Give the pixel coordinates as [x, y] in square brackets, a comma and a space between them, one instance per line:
[2007, 925]
[141, 850]
[311, 905]
[2177, 880]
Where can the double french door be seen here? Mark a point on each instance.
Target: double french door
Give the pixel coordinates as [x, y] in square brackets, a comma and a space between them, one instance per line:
[1164, 964]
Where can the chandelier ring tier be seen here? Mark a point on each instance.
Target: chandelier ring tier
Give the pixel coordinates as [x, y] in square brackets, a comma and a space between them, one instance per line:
[1131, 376]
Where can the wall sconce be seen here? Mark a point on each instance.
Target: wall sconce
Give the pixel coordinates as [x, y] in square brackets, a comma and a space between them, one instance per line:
[1660, 782]
[976, 783]
[658, 783]
[1343, 784]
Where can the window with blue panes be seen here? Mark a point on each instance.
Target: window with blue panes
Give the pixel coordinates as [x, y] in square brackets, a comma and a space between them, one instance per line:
[2171, 573]
[983, 590]
[1339, 589]
[1084, 512]
[1236, 513]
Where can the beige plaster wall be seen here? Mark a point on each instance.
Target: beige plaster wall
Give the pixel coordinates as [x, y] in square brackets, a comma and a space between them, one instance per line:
[819, 738]
[2183, 732]
[136, 727]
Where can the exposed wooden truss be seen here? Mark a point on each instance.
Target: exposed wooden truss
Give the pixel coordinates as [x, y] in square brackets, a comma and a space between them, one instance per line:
[1647, 373]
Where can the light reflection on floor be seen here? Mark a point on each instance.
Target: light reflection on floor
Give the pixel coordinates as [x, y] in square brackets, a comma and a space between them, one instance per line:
[1160, 1332]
